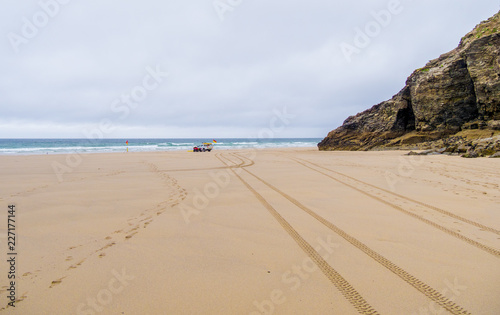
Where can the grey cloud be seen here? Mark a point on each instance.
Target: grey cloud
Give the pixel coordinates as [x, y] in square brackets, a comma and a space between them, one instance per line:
[224, 76]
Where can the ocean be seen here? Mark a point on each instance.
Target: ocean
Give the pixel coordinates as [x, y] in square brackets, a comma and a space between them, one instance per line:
[65, 146]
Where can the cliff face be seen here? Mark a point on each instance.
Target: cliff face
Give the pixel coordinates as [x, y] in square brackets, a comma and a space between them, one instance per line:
[458, 90]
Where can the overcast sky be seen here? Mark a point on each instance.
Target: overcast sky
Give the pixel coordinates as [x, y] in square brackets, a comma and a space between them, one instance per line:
[91, 68]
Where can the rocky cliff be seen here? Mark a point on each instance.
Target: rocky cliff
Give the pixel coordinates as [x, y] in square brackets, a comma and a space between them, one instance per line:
[458, 91]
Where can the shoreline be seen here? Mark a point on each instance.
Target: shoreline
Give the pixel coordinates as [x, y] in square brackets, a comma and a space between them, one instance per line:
[163, 152]
[404, 152]
[82, 146]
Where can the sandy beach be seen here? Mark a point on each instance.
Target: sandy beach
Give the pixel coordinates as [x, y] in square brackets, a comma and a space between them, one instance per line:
[290, 231]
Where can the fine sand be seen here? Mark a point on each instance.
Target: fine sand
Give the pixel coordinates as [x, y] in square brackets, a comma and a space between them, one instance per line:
[292, 231]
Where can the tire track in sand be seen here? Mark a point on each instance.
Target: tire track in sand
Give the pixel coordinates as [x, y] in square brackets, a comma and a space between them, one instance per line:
[447, 213]
[428, 291]
[457, 235]
[345, 288]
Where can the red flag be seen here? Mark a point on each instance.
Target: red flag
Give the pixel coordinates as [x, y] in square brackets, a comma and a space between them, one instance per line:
[215, 141]
[126, 142]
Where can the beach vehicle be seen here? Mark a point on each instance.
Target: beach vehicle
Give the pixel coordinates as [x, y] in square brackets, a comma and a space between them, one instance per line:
[207, 146]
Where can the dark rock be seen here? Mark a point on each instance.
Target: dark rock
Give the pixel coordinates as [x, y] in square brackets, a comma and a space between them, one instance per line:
[494, 124]
[451, 149]
[471, 155]
[485, 152]
[462, 149]
[427, 152]
[458, 90]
